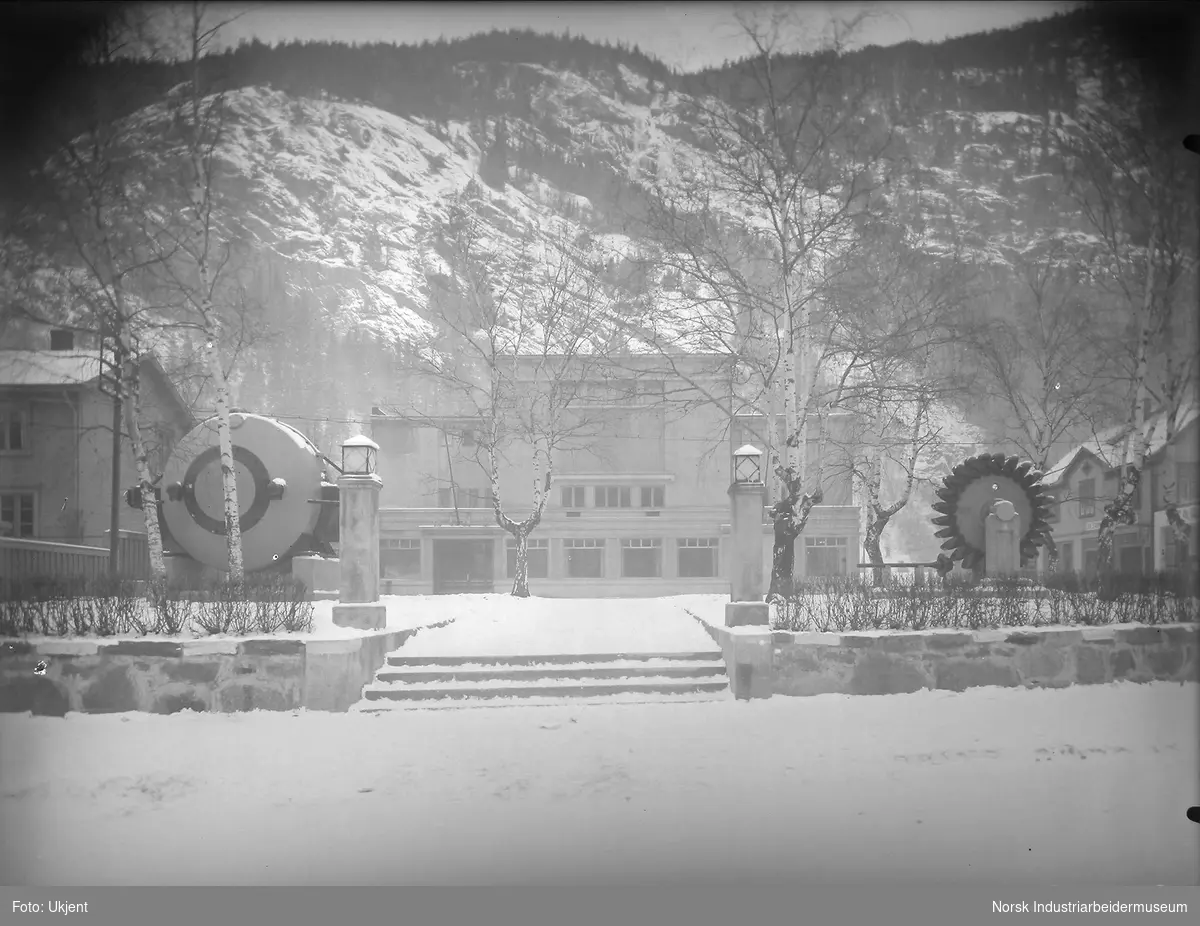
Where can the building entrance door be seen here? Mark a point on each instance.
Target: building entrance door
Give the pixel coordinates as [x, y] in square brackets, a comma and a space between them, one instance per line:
[463, 567]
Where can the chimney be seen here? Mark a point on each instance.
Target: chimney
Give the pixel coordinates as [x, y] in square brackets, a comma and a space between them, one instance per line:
[61, 339]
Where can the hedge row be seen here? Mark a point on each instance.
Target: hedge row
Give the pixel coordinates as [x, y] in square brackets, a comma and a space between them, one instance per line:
[108, 607]
[855, 604]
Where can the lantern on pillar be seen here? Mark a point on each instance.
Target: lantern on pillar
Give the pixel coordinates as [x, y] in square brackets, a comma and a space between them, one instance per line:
[359, 456]
[747, 465]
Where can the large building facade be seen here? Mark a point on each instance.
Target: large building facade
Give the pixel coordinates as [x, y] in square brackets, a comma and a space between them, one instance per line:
[638, 505]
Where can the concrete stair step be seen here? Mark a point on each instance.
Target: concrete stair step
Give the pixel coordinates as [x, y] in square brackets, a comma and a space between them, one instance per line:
[500, 688]
[387, 705]
[399, 658]
[660, 668]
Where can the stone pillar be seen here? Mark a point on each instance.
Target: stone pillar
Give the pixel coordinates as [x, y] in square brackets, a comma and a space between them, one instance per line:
[358, 600]
[1002, 540]
[746, 605]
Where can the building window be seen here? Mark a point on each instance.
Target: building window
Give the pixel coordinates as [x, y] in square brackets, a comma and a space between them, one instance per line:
[574, 497]
[585, 558]
[538, 551]
[1066, 557]
[641, 558]
[465, 498]
[399, 559]
[651, 496]
[16, 514]
[826, 556]
[1087, 498]
[613, 497]
[14, 427]
[468, 438]
[697, 557]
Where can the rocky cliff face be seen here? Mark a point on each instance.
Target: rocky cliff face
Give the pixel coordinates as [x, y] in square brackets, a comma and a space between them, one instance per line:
[338, 170]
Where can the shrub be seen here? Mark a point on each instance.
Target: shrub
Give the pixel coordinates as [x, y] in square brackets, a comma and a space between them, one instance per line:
[851, 604]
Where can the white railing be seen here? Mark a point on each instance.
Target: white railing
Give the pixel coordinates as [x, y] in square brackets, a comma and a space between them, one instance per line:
[27, 559]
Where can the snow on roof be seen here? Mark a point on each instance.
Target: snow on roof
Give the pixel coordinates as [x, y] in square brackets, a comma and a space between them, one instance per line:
[47, 367]
[1106, 445]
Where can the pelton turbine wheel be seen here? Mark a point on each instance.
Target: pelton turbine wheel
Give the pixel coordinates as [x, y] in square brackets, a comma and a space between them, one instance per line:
[966, 497]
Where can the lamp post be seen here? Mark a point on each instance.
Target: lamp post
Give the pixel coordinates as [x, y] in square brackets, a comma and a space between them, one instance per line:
[358, 496]
[746, 498]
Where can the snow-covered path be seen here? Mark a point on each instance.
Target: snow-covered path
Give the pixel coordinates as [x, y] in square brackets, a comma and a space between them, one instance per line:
[500, 625]
[991, 785]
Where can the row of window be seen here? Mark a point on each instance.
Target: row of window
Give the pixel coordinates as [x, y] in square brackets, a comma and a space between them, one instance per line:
[571, 497]
[1184, 491]
[614, 496]
[641, 557]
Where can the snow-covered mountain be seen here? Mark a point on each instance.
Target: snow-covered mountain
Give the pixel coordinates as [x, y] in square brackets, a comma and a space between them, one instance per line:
[338, 198]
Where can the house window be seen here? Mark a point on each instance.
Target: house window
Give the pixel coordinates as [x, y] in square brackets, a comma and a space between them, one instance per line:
[538, 551]
[574, 496]
[14, 427]
[641, 558]
[1066, 557]
[585, 558]
[1087, 498]
[651, 496]
[399, 558]
[613, 497]
[468, 438]
[697, 557]
[16, 514]
[1185, 482]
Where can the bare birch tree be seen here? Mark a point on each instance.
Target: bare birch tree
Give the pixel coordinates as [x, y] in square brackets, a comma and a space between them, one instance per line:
[1042, 359]
[793, 158]
[189, 225]
[516, 339]
[1135, 186]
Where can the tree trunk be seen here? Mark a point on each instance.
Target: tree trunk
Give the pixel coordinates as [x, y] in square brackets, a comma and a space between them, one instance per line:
[520, 587]
[875, 526]
[783, 555]
[1178, 526]
[233, 525]
[133, 413]
[1051, 552]
[1118, 512]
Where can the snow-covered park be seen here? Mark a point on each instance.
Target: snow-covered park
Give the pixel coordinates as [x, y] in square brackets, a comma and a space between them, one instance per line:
[1084, 784]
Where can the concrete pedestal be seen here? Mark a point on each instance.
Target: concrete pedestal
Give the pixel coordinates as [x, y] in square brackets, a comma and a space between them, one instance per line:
[753, 665]
[358, 557]
[746, 542]
[747, 613]
[1002, 540]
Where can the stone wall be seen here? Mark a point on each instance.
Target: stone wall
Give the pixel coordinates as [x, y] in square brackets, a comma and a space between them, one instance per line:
[894, 663]
[163, 677]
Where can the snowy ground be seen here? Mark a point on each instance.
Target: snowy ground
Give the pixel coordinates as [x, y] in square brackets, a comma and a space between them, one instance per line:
[500, 625]
[1085, 784]
[642, 624]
